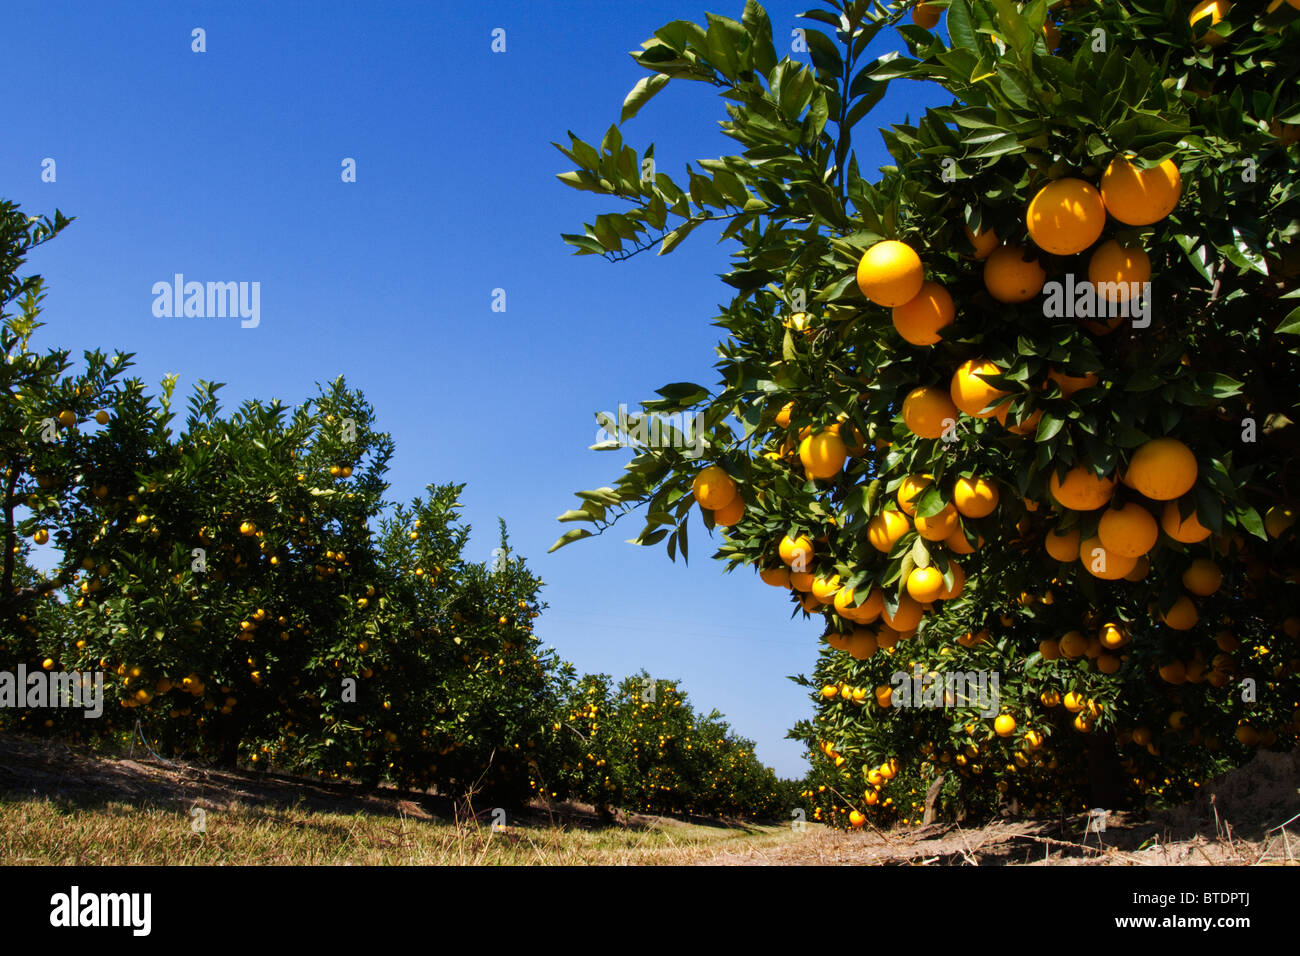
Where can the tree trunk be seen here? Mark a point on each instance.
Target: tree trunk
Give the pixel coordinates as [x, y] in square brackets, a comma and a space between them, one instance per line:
[932, 800]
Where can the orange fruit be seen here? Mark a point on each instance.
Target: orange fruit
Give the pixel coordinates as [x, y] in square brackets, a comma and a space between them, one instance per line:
[975, 497]
[1005, 725]
[713, 488]
[920, 319]
[1108, 663]
[783, 416]
[1278, 520]
[1128, 530]
[1074, 702]
[1216, 10]
[890, 273]
[906, 617]
[1175, 672]
[796, 552]
[777, 577]
[957, 543]
[1026, 426]
[1010, 277]
[1050, 649]
[1114, 268]
[1063, 546]
[730, 514]
[861, 645]
[1182, 616]
[1112, 636]
[856, 817]
[802, 580]
[1073, 644]
[1202, 577]
[984, 241]
[928, 411]
[1069, 384]
[884, 530]
[938, 526]
[926, 15]
[824, 589]
[925, 584]
[1140, 197]
[1066, 216]
[958, 583]
[823, 454]
[1081, 490]
[1162, 469]
[970, 392]
[884, 695]
[909, 489]
[1188, 532]
[1101, 563]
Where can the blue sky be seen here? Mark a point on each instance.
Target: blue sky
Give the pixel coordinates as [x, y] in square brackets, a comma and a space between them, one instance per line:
[225, 166]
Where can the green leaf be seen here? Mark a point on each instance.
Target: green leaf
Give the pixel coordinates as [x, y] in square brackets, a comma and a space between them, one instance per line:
[1290, 325]
[960, 27]
[576, 534]
[645, 88]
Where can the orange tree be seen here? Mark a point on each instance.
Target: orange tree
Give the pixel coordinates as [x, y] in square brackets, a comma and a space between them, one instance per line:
[1020, 407]
[640, 745]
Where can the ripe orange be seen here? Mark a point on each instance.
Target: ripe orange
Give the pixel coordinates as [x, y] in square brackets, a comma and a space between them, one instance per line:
[726, 517]
[1004, 725]
[1162, 469]
[920, 319]
[1140, 569]
[1175, 672]
[796, 552]
[1128, 530]
[1108, 663]
[937, 526]
[1026, 426]
[713, 488]
[802, 580]
[1066, 216]
[1140, 197]
[928, 411]
[958, 583]
[926, 15]
[1050, 698]
[970, 392]
[823, 454]
[777, 577]
[829, 691]
[906, 617]
[1074, 702]
[925, 584]
[1182, 616]
[1188, 532]
[861, 645]
[1112, 636]
[1049, 649]
[1063, 546]
[1216, 10]
[890, 273]
[909, 489]
[1069, 384]
[1104, 564]
[984, 241]
[824, 589]
[1114, 268]
[957, 543]
[1011, 277]
[856, 818]
[783, 416]
[1278, 520]
[1082, 490]
[1202, 577]
[975, 497]
[1073, 644]
[1033, 739]
[884, 530]
[884, 695]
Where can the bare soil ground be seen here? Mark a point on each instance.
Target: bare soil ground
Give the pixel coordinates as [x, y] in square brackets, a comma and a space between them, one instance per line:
[60, 804]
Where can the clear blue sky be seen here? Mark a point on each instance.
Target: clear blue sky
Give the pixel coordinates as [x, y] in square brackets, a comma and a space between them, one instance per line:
[225, 166]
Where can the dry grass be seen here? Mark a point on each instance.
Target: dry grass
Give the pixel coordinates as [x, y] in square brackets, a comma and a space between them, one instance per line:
[42, 832]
